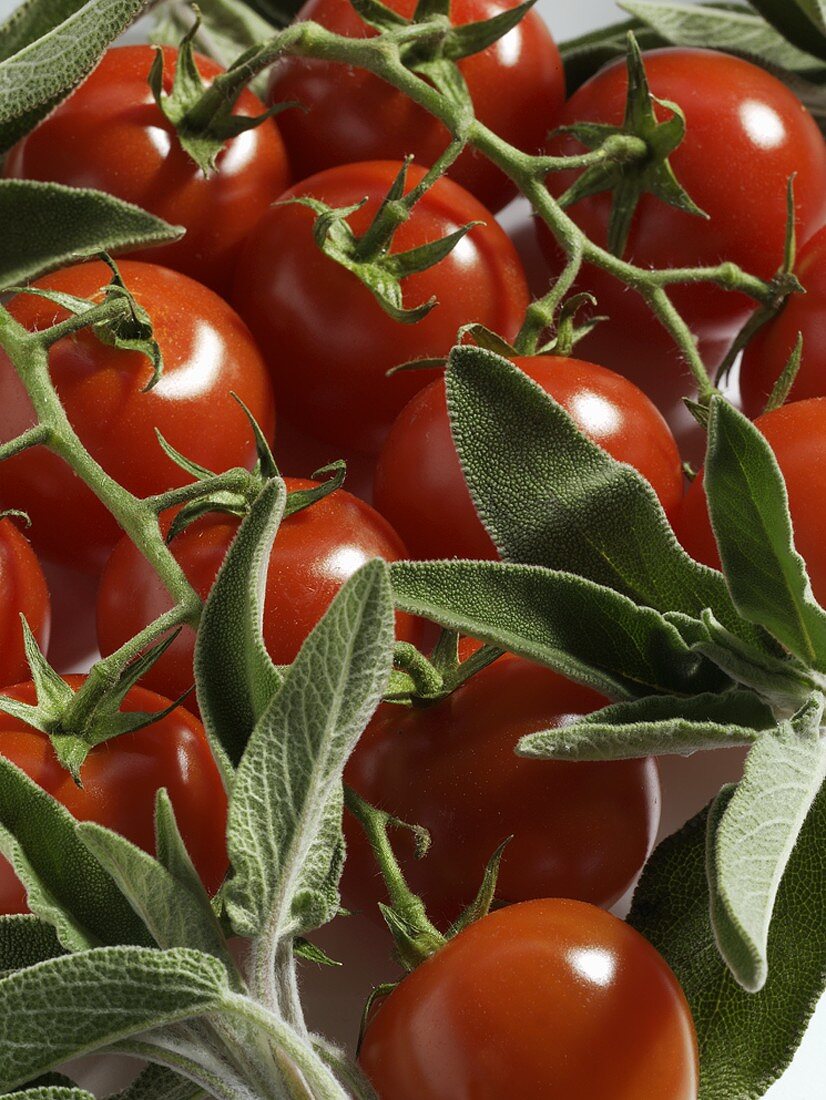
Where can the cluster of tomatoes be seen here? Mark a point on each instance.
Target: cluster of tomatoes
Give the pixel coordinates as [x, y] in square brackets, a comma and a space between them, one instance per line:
[247, 304]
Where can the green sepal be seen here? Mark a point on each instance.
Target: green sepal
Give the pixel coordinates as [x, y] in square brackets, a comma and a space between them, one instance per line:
[378, 15]
[311, 952]
[203, 125]
[472, 38]
[299, 499]
[369, 258]
[481, 904]
[787, 377]
[627, 181]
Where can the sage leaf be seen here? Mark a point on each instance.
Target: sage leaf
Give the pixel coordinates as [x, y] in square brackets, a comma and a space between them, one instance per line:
[47, 225]
[234, 676]
[752, 833]
[549, 496]
[736, 31]
[31, 20]
[654, 725]
[36, 78]
[584, 631]
[24, 941]
[157, 1081]
[585, 55]
[80, 1003]
[802, 22]
[228, 28]
[284, 832]
[49, 1092]
[749, 510]
[66, 885]
[176, 915]
[746, 1039]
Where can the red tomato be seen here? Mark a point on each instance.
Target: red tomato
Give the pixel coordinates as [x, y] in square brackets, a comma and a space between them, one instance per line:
[553, 999]
[580, 830]
[23, 591]
[769, 351]
[208, 354]
[111, 135]
[742, 124]
[121, 778]
[315, 552]
[328, 341]
[517, 86]
[420, 486]
[797, 435]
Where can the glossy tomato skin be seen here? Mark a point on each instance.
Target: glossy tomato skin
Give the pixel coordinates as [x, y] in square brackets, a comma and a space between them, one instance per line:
[23, 591]
[797, 435]
[121, 778]
[208, 354]
[746, 134]
[111, 135]
[517, 87]
[328, 341]
[550, 998]
[419, 484]
[769, 351]
[315, 552]
[580, 830]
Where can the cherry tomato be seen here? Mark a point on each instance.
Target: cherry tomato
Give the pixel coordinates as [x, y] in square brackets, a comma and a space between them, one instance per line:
[328, 341]
[121, 778]
[553, 999]
[580, 830]
[517, 87]
[746, 134]
[769, 351]
[208, 354]
[315, 552]
[111, 135]
[23, 591]
[797, 435]
[419, 484]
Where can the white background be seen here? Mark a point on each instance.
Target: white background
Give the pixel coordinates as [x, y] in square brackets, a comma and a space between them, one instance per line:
[335, 1000]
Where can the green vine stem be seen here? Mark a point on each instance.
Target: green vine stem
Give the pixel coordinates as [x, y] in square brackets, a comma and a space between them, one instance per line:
[382, 56]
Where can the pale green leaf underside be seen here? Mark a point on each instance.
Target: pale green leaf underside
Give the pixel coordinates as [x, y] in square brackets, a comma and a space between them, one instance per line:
[659, 724]
[284, 815]
[37, 77]
[752, 832]
[47, 225]
[746, 1039]
[79, 1003]
[586, 632]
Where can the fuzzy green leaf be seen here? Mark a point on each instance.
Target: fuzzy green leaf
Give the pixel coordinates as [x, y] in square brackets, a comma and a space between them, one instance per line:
[67, 887]
[46, 225]
[739, 32]
[234, 676]
[24, 941]
[588, 633]
[549, 496]
[36, 78]
[585, 55]
[746, 1039]
[752, 833]
[80, 1003]
[657, 724]
[49, 1092]
[802, 22]
[284, 831]
[31, 20]
[176, 915]
[749, 510]
[156, 1082]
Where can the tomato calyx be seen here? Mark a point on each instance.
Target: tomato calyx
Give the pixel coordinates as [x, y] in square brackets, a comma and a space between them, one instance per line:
[369, 257]
[75, 721]
[643, 168]
[203, 123]
[417, 680]
[119, 321]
